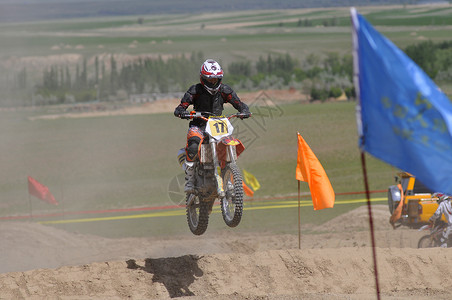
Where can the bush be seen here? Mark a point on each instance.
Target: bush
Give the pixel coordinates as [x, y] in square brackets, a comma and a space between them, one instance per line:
[350, 92]
[319, 94]
[335, 92]
[84, 95]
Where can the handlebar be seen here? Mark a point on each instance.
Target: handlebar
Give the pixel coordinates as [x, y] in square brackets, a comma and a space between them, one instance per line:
[425, 227]
[436, 225]
[202, 115]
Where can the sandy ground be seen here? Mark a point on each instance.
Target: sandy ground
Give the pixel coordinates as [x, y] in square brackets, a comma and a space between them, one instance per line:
[41, 262]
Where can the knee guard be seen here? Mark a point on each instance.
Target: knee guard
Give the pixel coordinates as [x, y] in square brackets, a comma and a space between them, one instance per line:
[192, 148]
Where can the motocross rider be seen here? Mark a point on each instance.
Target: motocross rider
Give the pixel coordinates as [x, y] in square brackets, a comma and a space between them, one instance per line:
[207, 96]
[444, 207]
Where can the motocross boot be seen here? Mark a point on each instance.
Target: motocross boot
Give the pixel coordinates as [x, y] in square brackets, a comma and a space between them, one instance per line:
[189, 179]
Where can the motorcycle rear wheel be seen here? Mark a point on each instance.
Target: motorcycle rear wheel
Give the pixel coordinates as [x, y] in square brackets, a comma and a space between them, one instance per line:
[426, 242]
[197, 214]
[232, 203]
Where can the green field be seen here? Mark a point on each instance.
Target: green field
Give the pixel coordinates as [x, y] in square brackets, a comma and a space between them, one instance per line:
[112, 162]
[129, 161]
[226, 36]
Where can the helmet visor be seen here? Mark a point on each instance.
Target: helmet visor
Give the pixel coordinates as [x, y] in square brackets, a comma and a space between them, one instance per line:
[211, 82]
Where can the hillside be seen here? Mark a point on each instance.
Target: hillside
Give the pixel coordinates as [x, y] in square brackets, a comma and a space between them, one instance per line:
[26, 10]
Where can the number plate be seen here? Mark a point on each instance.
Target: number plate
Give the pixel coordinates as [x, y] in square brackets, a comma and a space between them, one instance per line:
[219, 127]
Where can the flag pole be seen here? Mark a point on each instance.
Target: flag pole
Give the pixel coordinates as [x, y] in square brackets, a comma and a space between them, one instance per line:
[299, 210]
[29, 206]
[62, 199]
[299, 216]
[371, 222]
[29, 198]
[355, 25]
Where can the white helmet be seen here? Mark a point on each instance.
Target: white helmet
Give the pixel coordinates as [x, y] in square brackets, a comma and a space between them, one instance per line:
[441, 197]
[211, 75]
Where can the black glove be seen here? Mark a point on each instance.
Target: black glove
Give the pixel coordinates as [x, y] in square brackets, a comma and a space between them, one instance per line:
[185, 115]
[180, 112]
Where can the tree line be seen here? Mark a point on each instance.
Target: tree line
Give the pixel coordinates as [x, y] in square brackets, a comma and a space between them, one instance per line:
[434, 58]
[320, 76]
[109, 81]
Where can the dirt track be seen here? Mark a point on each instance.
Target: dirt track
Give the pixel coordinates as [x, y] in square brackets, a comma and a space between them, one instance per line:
[333, 265]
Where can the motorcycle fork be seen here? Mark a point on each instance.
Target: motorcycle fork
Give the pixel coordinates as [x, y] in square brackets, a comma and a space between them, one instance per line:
[231, 153]
[217, 169]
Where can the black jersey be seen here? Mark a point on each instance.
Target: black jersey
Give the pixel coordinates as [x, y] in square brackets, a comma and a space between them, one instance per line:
[203, 101]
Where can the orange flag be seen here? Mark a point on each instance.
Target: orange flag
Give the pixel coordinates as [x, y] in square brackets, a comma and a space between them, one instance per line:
[248, 191]
[311, 171]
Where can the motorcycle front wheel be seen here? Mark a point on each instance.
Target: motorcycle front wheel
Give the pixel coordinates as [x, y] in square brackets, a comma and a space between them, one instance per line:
[426, 242]
[197, 214]
[232, 203]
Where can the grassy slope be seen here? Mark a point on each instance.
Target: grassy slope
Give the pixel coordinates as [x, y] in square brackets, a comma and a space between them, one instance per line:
[248, 34]
[126, 161]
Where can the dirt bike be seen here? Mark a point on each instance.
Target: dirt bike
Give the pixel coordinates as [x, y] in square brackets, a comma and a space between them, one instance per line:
[217, 175]
[434, 238]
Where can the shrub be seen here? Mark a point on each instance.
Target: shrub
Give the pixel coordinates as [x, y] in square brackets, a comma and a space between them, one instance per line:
[319, 94]
[335, 92]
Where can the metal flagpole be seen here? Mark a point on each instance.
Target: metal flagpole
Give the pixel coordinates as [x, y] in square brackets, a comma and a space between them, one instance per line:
[299, 217]
[30, 206]
[371, 223]
[355, 26]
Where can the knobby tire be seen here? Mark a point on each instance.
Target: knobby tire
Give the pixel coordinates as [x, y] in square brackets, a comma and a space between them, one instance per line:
[197, 215]
[426, 242]
[232, 204]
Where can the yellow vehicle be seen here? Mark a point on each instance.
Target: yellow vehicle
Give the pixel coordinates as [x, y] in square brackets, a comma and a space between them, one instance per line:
[410, 202]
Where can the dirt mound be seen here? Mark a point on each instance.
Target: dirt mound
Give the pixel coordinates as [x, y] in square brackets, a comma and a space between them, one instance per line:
[343, 273]
[26, 246]
[335, 262]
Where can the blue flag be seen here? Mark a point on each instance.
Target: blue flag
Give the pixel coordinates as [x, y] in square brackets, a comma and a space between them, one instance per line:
[403, 118]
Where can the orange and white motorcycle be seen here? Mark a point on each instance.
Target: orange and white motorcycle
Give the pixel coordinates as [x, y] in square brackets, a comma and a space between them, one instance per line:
[217, 175]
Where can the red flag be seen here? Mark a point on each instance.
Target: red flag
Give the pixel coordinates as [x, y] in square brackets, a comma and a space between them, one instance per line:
[311, 171]
[40, 191]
